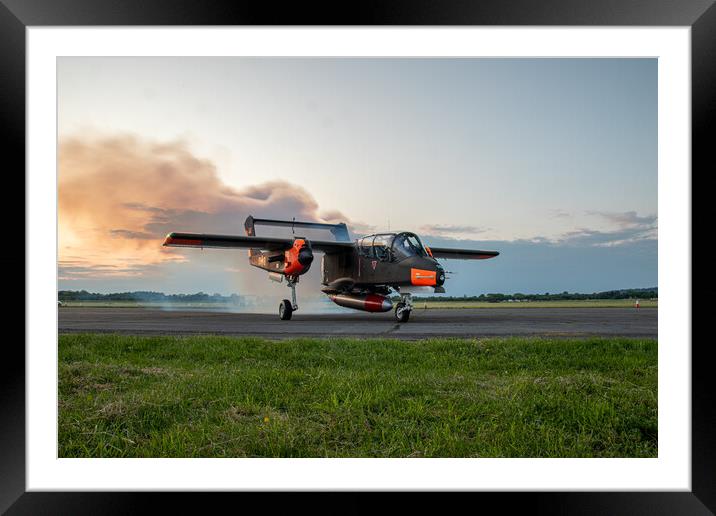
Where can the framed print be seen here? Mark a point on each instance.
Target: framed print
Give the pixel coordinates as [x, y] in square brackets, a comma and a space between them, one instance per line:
[542, 140]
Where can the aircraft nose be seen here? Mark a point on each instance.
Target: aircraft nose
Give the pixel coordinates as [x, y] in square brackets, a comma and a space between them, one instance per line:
[439, 276]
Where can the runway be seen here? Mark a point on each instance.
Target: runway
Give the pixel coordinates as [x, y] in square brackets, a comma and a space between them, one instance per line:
[550, 322]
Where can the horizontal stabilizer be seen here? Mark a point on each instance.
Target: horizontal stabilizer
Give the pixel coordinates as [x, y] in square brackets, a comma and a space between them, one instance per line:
[338, 231]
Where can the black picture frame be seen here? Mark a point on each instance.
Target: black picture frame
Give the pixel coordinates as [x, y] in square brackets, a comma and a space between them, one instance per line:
[17, 15]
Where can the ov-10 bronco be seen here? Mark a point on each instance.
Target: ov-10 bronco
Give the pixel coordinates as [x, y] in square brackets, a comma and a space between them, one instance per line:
[356, 274]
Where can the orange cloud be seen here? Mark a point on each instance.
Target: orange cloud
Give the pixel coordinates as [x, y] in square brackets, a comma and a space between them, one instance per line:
[118, 197]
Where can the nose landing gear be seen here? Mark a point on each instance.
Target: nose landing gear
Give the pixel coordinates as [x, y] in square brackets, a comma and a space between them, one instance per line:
[286, 308]
[403, 308]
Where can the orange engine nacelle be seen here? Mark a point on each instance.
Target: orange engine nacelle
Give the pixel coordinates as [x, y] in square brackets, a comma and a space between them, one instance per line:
[298, 259]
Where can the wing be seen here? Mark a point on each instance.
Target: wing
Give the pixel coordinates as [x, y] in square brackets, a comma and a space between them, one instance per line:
[462, 254]
[247, 242]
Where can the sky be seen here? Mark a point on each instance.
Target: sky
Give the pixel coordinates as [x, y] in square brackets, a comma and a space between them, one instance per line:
[553, 162]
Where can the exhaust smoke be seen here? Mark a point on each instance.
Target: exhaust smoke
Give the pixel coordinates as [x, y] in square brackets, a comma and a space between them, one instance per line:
[119, 196]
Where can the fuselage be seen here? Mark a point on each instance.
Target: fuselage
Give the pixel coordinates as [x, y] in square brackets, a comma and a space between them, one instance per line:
[372, 264]
[394, 259]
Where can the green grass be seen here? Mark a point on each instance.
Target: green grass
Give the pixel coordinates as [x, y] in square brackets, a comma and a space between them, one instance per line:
[125, 396]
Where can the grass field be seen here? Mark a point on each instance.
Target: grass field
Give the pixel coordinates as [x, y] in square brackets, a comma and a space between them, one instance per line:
[578, 303]
[127, 396]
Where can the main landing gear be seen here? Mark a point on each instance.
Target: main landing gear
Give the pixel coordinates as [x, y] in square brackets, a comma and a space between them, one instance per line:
[286, 308]
[403, 308]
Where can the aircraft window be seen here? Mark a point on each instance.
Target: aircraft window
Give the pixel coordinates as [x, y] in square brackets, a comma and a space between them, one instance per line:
[365, 247]
[376, 246]
[381, 247]
[407, 245]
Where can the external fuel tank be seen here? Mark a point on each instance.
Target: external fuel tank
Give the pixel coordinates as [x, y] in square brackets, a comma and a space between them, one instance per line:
[365, 302]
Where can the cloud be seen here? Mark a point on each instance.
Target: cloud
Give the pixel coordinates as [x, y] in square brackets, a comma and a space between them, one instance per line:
[118, 197]
[596, 238]
[630, 228]
[85, 269]
[451, 229]
[627, 219]
[333, 216]
[560, 214]
[125, 233]
[356, 228]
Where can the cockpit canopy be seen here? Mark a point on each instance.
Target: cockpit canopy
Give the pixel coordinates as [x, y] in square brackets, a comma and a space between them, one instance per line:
[391, 246]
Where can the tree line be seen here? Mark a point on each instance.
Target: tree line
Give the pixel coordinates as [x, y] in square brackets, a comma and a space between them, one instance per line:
[202, 297]
[630, 293]
[199, 297]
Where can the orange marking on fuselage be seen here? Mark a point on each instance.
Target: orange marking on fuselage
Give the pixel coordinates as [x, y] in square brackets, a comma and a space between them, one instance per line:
[422, 277]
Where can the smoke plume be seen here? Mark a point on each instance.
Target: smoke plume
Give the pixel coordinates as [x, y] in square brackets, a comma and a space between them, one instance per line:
[118, 198]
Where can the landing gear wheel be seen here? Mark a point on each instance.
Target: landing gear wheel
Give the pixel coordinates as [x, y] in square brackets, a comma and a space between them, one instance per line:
[285, 310]
[402, 312]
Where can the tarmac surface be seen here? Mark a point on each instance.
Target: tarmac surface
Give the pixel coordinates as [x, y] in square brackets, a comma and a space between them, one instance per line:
[549, 322]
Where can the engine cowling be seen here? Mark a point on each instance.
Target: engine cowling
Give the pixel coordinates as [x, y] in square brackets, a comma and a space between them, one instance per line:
[365, 302]
[298, 259]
